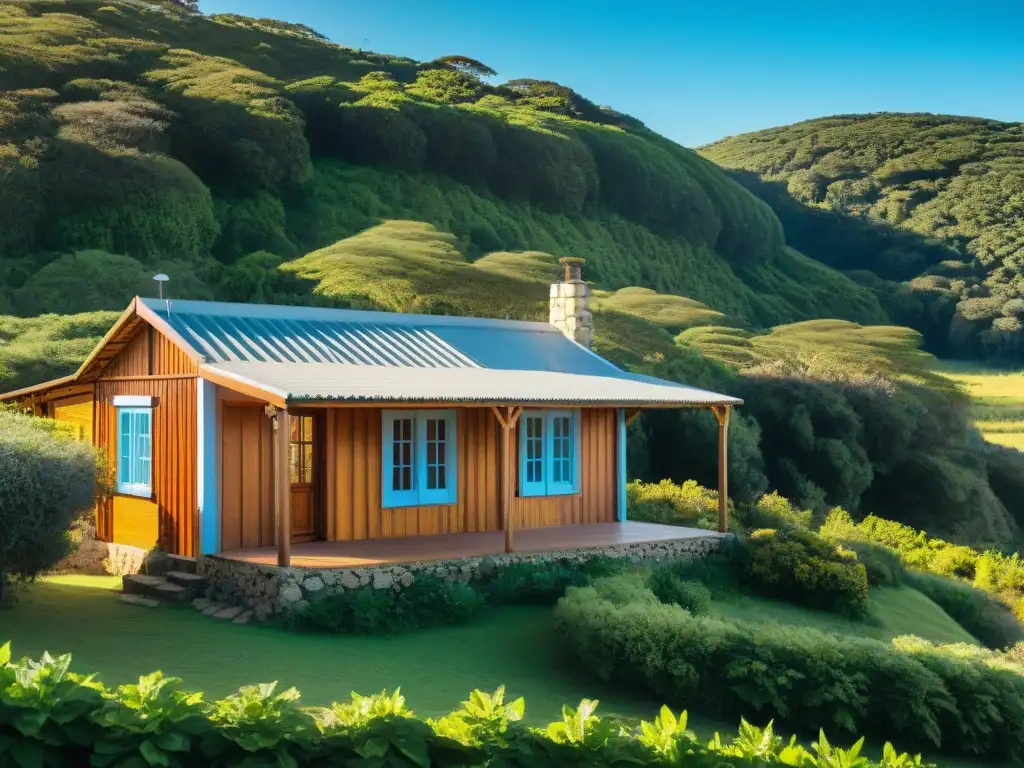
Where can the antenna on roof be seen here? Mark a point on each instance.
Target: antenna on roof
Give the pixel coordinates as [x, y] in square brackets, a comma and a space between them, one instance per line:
[160, 280]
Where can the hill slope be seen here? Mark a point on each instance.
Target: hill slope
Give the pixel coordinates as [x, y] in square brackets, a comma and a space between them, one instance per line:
[188, 143]
[931, 204]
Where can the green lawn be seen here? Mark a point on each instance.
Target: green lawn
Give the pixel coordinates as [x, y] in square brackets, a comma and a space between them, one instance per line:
[436, 669]
[997, 401]
[892, 611]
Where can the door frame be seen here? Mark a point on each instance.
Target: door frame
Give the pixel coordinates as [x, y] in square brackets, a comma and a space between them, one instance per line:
[318, 495]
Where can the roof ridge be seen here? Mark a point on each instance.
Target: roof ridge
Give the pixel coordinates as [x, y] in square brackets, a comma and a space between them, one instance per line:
[164, 307]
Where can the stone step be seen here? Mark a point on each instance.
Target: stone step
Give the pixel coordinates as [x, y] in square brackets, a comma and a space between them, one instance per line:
[181, 564]
[156, 587]
[193, 582]
[145, 602]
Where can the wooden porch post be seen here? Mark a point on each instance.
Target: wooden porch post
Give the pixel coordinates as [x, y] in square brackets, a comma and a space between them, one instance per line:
[507, 418]
[280, 444]
[722, 417]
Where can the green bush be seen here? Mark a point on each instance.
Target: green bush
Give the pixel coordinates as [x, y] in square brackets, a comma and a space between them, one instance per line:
[668, 503]
[980, 614]
[47, 481]
[1000, 576]
[774, 511]
[670, 589]
[430, 601]
[802, 567]
[433, 601]
[968, 701]
[884, 567]
[52, 716]
[543, 583]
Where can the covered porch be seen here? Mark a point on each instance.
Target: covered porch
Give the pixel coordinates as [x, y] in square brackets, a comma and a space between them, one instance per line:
[457, 546]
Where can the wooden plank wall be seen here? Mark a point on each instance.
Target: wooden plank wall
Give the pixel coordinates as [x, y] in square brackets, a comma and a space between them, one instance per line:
[598, 465]
[76, 411]
[247, 501]
[152, 355]
[353, 496]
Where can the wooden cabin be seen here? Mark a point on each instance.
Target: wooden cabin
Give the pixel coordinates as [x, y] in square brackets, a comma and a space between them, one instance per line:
[235, 426]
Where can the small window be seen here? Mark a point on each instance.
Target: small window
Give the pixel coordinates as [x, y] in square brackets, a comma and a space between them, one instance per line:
[301, 449]
[418, 458]
[135, 451]
[549, 453]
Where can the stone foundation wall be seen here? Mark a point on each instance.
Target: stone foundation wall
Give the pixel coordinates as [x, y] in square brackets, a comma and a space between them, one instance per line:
[95, 556]
[269, 590]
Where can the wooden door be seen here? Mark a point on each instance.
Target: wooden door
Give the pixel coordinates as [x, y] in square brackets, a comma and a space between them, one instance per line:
[304, 462]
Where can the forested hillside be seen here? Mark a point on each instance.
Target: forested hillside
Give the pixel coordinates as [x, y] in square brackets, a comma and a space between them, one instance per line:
[252, 160]
[927, 210]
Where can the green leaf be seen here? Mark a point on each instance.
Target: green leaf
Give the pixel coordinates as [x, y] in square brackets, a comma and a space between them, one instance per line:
[152, 754]
[28, 753]
[173, 741]
[5, 653]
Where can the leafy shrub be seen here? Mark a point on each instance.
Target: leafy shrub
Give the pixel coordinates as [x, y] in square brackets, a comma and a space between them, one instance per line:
[799, 566]
[668, 503]
[543, 583]
[983, 616]
[670, 589]
[884, 567]
[965, 701]
[774, 511]
[47, 480]
[1000, 576]
[52, 716]
[430, 601]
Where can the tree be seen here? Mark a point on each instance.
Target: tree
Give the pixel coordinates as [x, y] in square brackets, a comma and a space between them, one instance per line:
[466, 64]
[47, 481]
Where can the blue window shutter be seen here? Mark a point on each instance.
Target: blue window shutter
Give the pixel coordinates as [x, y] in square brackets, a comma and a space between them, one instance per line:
[399, 459]
[562, 459]
[436, 451]
[135, 451]
[533, 453]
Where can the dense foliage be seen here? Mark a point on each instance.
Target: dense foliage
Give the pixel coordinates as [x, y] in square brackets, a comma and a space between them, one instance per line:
[52, 716]
[977, 588]
[961, 698]
[800, 566]
[47, 480]
[928, 209]
[434, 601]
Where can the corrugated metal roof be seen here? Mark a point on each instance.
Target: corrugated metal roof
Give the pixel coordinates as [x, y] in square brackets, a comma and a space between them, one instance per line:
[364, 383]
[311, 353]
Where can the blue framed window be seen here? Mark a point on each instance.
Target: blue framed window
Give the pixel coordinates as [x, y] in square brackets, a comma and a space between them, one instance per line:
[135, 450]
[419, 458]
[549, 451]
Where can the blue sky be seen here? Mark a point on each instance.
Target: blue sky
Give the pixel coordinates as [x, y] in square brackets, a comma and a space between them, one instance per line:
[698, 71]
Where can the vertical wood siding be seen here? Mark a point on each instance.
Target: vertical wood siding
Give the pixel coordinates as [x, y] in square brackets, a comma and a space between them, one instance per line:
[174, 434]
[247, 504]
[353, 497]
[150, 353]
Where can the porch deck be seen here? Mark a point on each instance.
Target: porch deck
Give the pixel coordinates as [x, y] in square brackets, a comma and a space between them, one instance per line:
[411, 549]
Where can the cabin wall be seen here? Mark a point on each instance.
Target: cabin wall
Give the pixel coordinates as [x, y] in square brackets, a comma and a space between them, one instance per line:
[76, 411]
[151, 365]
[246, 477]
[353, 494]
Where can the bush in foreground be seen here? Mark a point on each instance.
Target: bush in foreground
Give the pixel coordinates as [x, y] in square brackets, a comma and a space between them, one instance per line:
[964, 702]
[47, 480]
[51, 716]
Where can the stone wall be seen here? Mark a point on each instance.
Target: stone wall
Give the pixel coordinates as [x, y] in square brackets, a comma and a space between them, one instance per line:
[269, 590]
[95, 556]
[569, 311]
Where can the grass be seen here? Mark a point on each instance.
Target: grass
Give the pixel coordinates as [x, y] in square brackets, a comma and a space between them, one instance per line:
[436, 669]
[893, 611]
[997, 401]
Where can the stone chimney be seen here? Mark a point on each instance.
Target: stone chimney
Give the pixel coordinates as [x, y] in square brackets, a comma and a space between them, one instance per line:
[569, 305]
